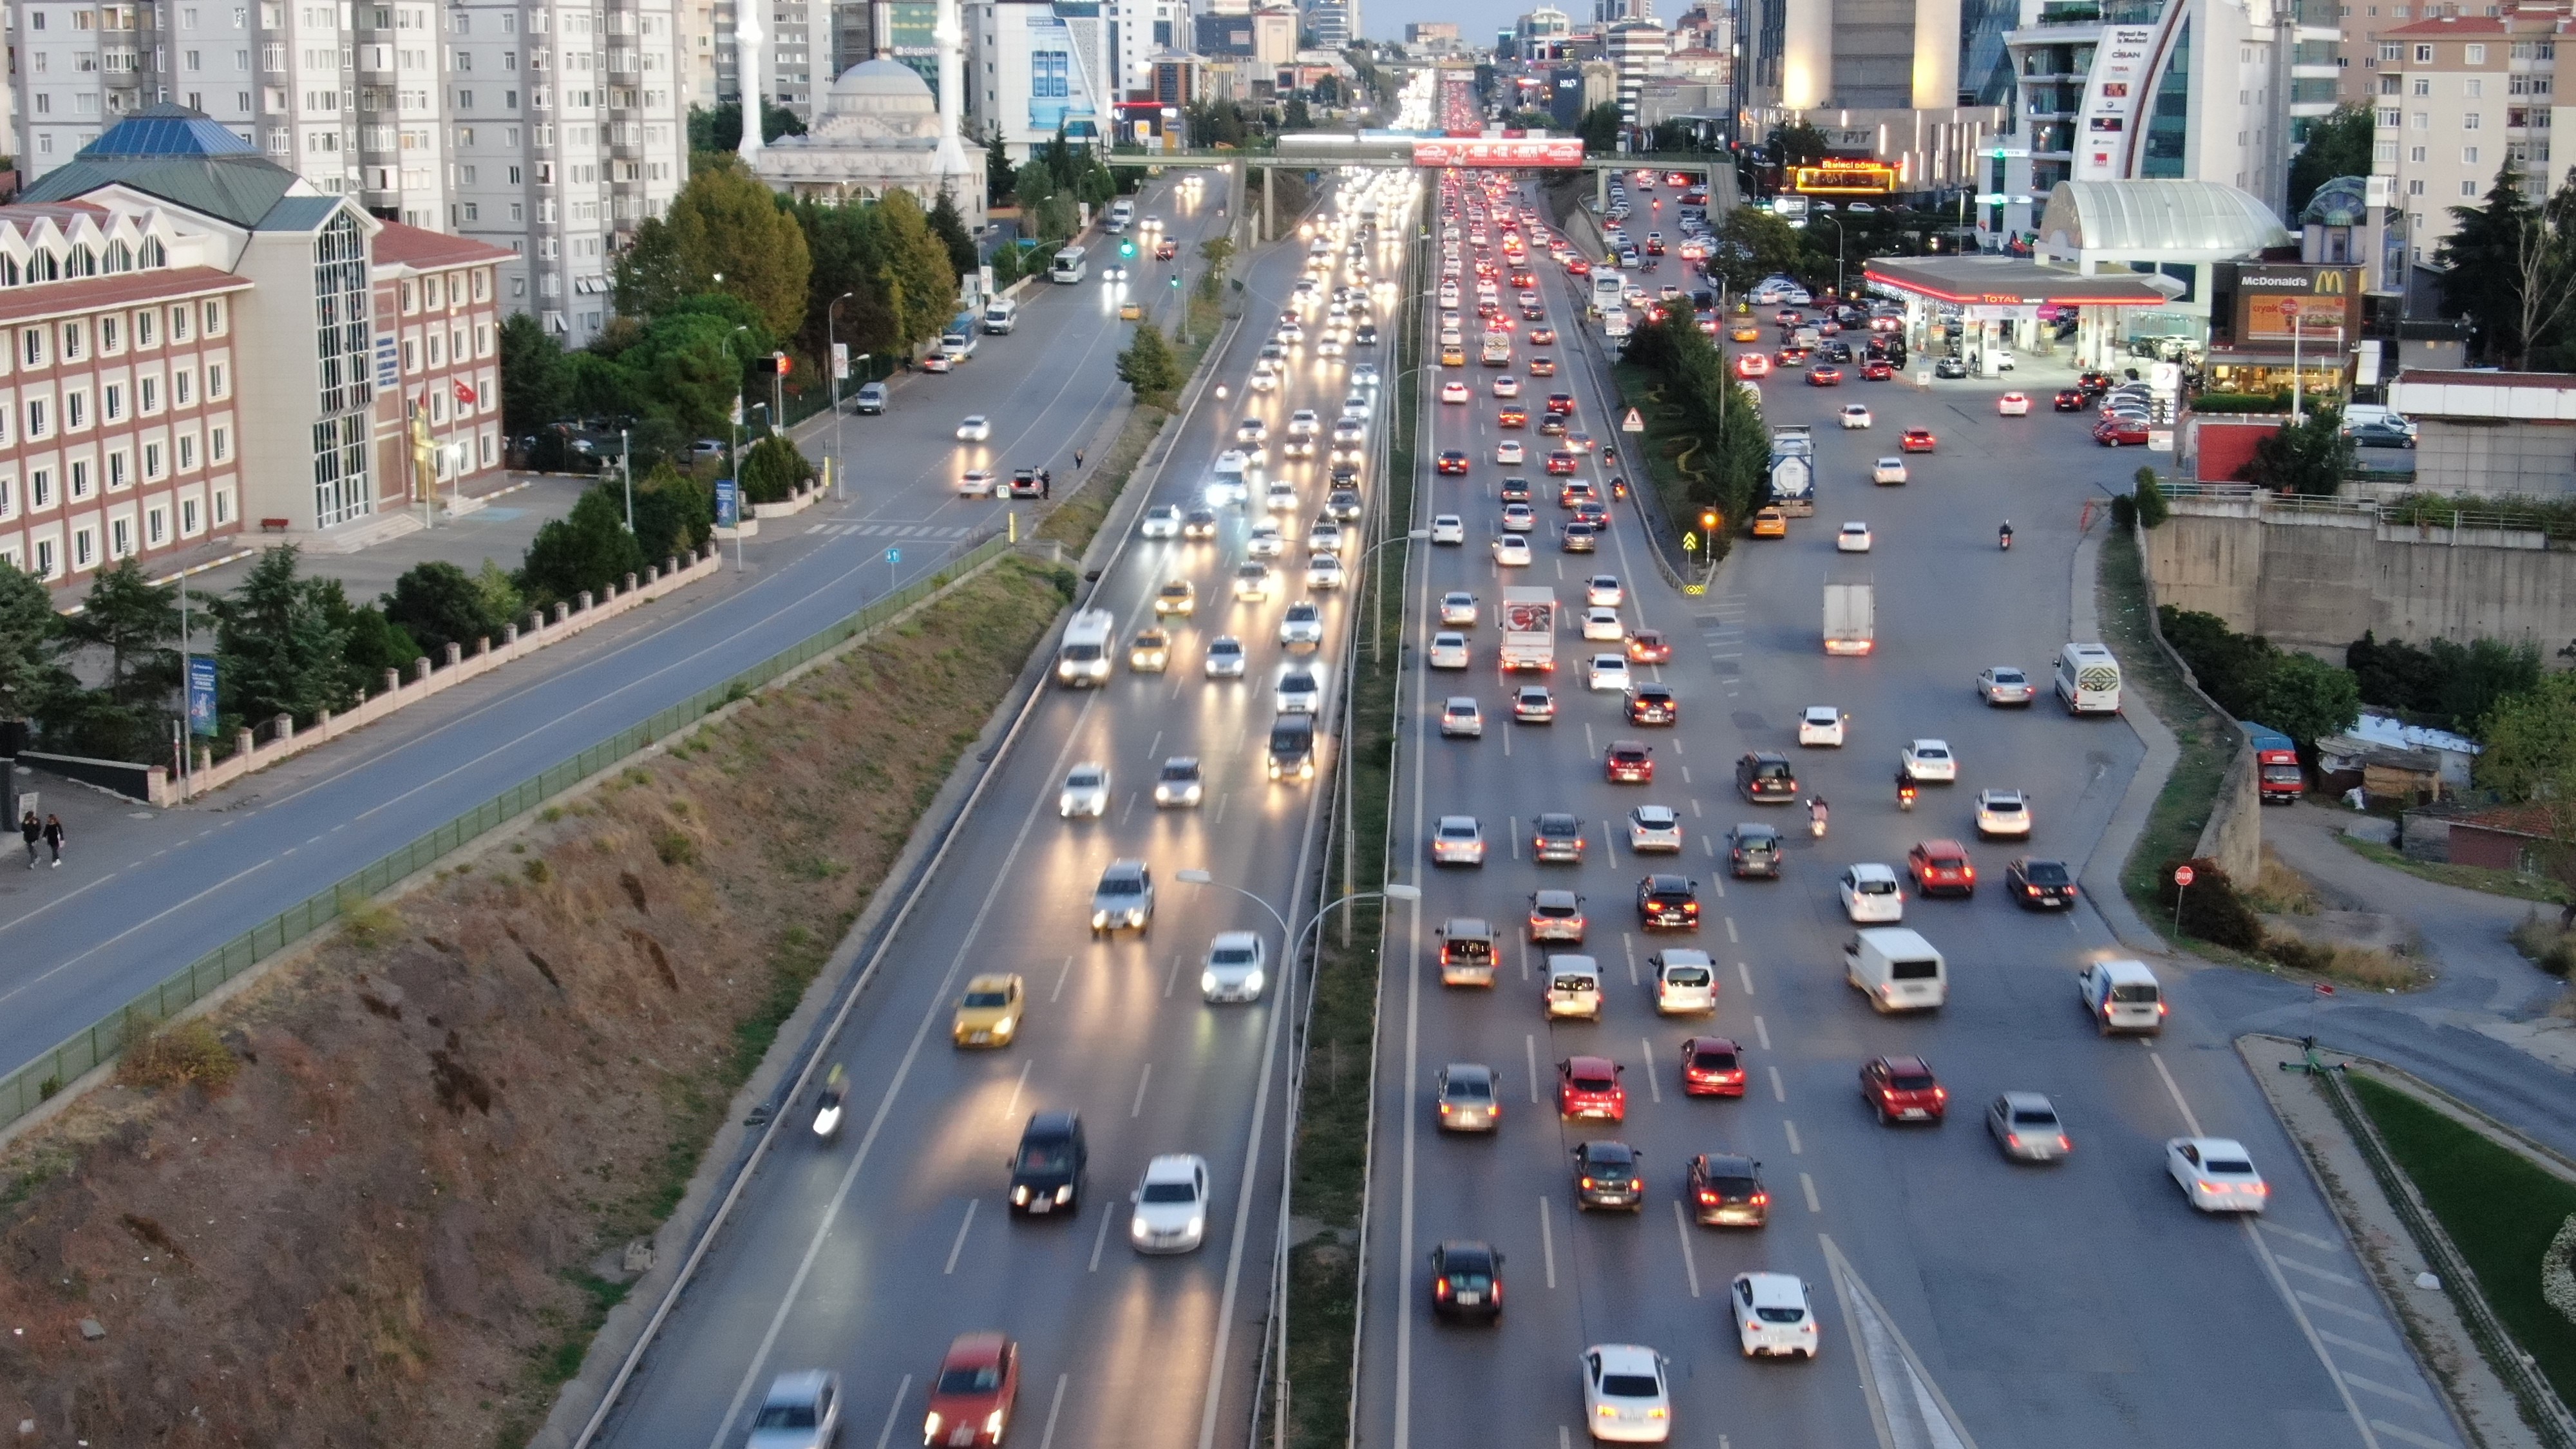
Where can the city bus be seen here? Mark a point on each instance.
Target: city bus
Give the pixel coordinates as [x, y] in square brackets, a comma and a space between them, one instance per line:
[1071, 265]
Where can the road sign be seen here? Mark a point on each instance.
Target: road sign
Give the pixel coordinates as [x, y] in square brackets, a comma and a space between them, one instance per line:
[728, 503]
[2182, 875]
[201, 695]
[894, 555]
[1632, 423]
[1690, 541]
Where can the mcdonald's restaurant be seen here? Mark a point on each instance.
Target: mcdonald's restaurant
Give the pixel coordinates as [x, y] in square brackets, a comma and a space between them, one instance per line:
[2272, 322]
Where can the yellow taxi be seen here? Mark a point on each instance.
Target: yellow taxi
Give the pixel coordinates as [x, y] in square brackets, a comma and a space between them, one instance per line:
[1151, 652]
[1180, 596]
[1745, 332]
[1770, 523]
[1130, 312]
[1452, 356]
[989, 1013]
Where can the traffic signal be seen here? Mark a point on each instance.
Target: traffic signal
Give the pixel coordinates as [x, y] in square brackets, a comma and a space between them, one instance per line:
[1176, 279]
[1127, 249]
[1708, 520]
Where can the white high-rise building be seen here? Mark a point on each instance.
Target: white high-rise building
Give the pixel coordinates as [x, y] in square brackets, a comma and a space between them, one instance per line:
[546, 129]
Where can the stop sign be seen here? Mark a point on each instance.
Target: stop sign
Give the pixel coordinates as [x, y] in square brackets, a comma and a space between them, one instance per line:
[2182, 875]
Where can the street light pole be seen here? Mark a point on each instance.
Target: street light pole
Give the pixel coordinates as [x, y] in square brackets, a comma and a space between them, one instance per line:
[626, 465]
[832, 367]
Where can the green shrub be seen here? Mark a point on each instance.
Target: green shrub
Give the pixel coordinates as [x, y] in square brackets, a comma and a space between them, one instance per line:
[2211, 909]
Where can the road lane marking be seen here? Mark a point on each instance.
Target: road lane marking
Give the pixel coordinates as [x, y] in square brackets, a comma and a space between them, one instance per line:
[1173, 977]
[2376, 1387]
[1780, 1093]
[2189, 1119]
[2408, 1435]
[1694, 804]
[1628, 948]
[2381, 1354]
[1647, 1045]
[1589, 748]
[1904, 1400]
[1525, 958]
[1731, 937]
[1100, 1239]
[1129, 808]
[2316, 1272]
[1690, 1265]
[1809, 1184]
[2294, 1235]
[963, 1224]
[1762, 1033]
[1686, 778]
[1515, 823]
[2329, 1304]
[1746, 972]
[1047, 1440]
[1547, 1239]
[1610, 843]
[1010, 1108]
[1791, 1128]
[1529, 1044]
[1056, 995]
[2291, 1297]
[1138, 1110]
[1154, 751]
[1219, 817]
[902, 1391]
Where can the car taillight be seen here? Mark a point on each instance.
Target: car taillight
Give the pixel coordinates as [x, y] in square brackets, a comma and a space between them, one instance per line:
[1708, 1197]
[1587, 1182]
[2012, 1139]
[1440, 1287]
[2161, 1008]
[1761, 1199]
[1940, 1094]
[1690, 908]
[2062, 1143]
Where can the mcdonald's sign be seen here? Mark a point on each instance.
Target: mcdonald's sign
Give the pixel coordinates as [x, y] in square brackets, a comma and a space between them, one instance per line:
[2276, 301]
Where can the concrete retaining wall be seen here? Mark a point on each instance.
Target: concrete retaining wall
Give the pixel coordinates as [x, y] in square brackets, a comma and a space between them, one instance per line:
[2234, 834]
[2316, 580]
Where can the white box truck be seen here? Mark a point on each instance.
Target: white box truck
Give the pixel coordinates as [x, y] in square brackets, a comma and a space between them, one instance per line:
[1851, 621]
[1529, 630]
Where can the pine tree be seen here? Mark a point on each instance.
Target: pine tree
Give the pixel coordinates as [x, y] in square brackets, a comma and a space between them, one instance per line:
[1148, 367]
[278, 649]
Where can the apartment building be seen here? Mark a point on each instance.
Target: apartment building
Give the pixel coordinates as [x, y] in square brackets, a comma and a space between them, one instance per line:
[1034, 68]
[2458, 96]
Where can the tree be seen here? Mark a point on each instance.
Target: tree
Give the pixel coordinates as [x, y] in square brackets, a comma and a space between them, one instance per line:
[588, 548]
[1599, 128]
[2338, 145]
[674, 514]
[2482, 257]
[437, 604]
[127, 624]
[773, 470]
[1799, 143]
[1148, 366]
[1299, 116]
[1752, 244]
[278, 648]
[31, 670]
[377, 644]
[2544, 280]
[1216, 253]
[997, 170]
[2531, 745]
[2311, 458]
[651, 274]
[728, 224]
[950, 227]
[2230, 667]
[2306, 698]
[533, 384]
[2149, 499]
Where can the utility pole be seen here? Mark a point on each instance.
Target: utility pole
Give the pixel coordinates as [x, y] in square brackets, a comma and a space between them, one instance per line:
[626, 465]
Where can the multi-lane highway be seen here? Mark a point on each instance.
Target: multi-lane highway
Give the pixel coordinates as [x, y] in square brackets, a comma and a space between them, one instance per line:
[146, 898]
[1962, 1299]
[866, 1256]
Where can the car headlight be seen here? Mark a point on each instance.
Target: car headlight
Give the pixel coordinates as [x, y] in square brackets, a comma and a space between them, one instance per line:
[1137, 1230]
[1207, 982]
[993, 1423]
[1198, 1224]
[1099, 919]
[1064, 1194]
[930, 1428]
[1019, 1195]
[1252, 984]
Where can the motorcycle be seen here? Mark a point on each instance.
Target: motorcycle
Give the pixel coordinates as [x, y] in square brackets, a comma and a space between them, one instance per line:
[1904, 792]
[827, 1107]
[2003, 539]
[1816, 818]
[1618, 488]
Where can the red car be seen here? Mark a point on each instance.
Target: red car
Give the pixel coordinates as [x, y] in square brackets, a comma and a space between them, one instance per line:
[1629, 762]
[1577, 266]
[977, 1388]
[1453, 461]
[1877, 369]
[2120, 433]
[1560, 404]
[1514, 416]
[1164, 251]
[1591, 1087]
[1563, 460]
[1903, 1089]
[1941, 867]
[1824, 377]
[1916, 440]
[1649, 646]
[1524, 280]
[1542, 366]
[1712, 1066]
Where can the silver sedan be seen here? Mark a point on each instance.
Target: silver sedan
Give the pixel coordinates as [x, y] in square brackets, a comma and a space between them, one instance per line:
[2027, 1128]
[2005, 684]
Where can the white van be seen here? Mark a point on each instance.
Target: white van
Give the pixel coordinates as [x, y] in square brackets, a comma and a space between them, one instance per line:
[2122, 996]
[1896, 969]
[1573, 987]
[1083, 658]
[1122, 214]
[2088, 679]
[1002, 314]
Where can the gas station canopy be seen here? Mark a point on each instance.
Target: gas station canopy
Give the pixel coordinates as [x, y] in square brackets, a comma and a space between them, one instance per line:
[2012, 284]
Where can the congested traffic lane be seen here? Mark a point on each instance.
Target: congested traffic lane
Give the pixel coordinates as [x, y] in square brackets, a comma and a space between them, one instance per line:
[866, 1256]
[2079, 1302]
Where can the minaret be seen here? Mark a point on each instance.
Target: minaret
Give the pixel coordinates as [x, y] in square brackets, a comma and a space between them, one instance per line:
[748, 55]
[951, 36]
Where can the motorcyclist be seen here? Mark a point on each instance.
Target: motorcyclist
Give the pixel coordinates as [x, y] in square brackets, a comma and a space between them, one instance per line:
[827, 1104]
[1904, 789]
[1619, 486]
[1816, 814]
[2003, 536]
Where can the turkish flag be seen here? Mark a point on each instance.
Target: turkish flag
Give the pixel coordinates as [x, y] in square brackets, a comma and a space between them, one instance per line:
[464, 391]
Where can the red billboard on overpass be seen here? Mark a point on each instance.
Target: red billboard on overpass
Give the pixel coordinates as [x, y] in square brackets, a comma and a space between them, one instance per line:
[1498, 151]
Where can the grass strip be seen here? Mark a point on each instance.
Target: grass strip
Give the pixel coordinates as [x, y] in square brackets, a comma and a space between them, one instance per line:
[2500, 1209]
[2205, 740]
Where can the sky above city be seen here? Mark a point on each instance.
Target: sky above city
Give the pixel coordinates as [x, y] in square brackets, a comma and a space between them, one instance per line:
[1386, 19]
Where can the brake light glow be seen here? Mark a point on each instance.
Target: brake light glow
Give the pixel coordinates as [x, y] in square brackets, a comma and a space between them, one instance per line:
[1440, 1286]
[1706, 1196]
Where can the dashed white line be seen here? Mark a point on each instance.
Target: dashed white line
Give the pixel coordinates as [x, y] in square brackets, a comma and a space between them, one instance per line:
[1780, 1093]
[2381, 1354]
[1792, 1129]
[1011, 1106]
[1100, 1240]
[1588, 747]
[1529, 1044]
[963, 1224]
[1809, 1184]
[1628, 948]
[2346, 1309]
[1730, 930]
[1762, 1033]
[2316, 1272]
[902, 1391]
[1690, 1264]
[1047, 1439]
[1061, 977]
[1653, 1086]
[1686, 779]
[1138, 1110]
[1745, 972]
[1695, 807]
[1172, 978]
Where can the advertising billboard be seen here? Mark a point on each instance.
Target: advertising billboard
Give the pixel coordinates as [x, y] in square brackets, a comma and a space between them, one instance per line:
[1836, 177]
[1498, 151]
[2113, 103]
[2276, 301]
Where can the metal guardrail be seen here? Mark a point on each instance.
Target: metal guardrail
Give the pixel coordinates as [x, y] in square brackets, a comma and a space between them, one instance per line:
[2542, 1409]
[35, 1083]
[2399, 515]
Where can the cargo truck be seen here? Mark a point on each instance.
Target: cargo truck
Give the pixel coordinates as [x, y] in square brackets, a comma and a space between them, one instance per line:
[2276, 765]
[1851, 622]
[1529, 630]
[1791, 483]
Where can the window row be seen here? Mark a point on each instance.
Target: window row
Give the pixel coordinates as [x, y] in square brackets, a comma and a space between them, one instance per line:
[70, 341]
[79, 480]
[128, 531]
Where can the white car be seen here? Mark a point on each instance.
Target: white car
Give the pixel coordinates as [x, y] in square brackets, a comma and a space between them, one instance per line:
[1462, 718]
[1609, 672]
[1325, 536]
[1253, 582]
[1458, 607]
[2216, 1174]
[1507, 386]
[1453, 392]
[1355, 406]
[1264, 380]
[1449, 528]
[1854, 538]
[1512, 551]
[1519, 518]
[2004, 684]
[1603, 591]
[1772, 1315]
[1298, 692]
[1365, 374]
[1822, 726]
[1458, 840]
[979, 483]
[975, 429]
[1324, 571]
[1233, 971]
[1266, 541]
[1225, 658]
[1304, 624]
[2003, 812]
[1086, 792]
[2013, 405]
[1928, 760]
[1871, 894]
[1509, 450]
[1161, 521]
[1602, 625]
[1854, 415]
[1685, 983]
[1304, 424]
[1624, 1397]
[1448, 650]
[1887, 470]
[1171, 1205]
[1280, 496]
[1182, 782]
[1654, 828]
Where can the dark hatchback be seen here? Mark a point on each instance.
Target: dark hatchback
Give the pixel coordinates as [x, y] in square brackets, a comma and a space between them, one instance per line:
[2040, 884]
[1047, 1172]
[1668, 903]
[1609, 1175]
[1726, 1191]
[1753, 850]
[1766, 776]
[1557, 837]
[1466, 1281]
[1652, 704]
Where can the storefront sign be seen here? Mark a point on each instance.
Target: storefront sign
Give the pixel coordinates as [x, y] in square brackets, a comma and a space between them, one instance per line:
[2317, 304]
[1836, 177]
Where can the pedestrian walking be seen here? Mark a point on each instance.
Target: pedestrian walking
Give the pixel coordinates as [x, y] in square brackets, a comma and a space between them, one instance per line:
[34, 830]
[54, 838]
[1077, 460]
[1046, 483]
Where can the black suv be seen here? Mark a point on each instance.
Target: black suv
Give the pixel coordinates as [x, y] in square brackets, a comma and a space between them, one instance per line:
[1557, 837]
[1753, 850]
[1516, 490]
[2045, 884]
[1047, 1172]
[1653, 704]
[1467, 1281]
[1765, 776]
[1668, 903]
[1726, 1191]
[1606, 1174]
